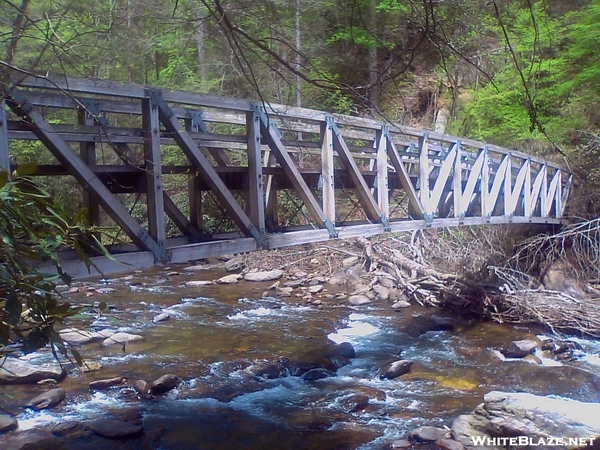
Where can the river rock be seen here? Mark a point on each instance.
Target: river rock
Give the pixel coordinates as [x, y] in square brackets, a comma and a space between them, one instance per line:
[449, 444]
[264, 276]
[48, 399]
[35, 439]
[358, 300]
[400, 443]
[141, 387]
[400, 305]
[382, 292]
[164, 384]
[355, 402]
[68, 428]
[80, 337]
[519, 349]
[317, 374]
[230, 279]
[16, 371]
[439, 323]
[196, 283]
[345, 349]
[315, 289]
[234, 263]
[7, 423]
[121, 339]
[397, 368]
[115, 429]
[429, 434]
[504, 414]
[337, 278]
[386, 282]
[293, 283]
[349, 262]
[558, 278]
[163, 317]
[106, 383]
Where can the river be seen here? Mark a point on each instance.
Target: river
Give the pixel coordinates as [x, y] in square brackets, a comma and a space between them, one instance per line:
[217, 333]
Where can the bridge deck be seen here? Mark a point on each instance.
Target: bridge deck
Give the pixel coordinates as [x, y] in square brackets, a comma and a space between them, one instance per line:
[261, 175]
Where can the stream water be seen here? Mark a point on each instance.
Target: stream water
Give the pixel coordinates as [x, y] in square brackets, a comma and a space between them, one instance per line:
[216, 333]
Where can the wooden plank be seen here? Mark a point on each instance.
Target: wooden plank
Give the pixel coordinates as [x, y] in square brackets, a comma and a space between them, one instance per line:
[293, 174]
[61, 150]
[4, 152]
[327, 171]
[203, 250]
[382, 175]
[256, 201]
[365, 197]
[154, 182]
[191, 150]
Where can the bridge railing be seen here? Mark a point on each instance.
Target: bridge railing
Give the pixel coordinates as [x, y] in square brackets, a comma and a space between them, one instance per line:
[345, 175]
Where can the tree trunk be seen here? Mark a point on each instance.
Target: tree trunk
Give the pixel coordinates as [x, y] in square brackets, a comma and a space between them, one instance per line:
[199, 35]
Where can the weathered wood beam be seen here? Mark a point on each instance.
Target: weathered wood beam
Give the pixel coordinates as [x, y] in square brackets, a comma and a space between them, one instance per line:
[383, 198]
[458, 198]
[191, 150]
[293, 174]
[154, 181]
[87, 151]
[256, 200]
[4, 153]
[61, 150]
[327, 171]
[363, 193]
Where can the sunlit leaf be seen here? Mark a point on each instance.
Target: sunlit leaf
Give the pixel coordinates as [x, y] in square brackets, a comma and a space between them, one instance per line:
[26, 168]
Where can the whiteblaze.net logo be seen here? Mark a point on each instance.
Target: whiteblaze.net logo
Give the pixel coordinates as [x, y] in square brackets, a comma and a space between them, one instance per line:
[526, 441]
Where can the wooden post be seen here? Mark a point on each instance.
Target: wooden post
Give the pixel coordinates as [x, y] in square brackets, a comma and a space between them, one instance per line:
[195, 196]
[87, 152]
[424, 175]
[327, 171]
[154, 182]
[256, 201]
[457, 183]
[484, 185]
[382, 175]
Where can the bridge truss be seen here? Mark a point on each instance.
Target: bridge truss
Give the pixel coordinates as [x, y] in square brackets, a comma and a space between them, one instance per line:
[261, 175]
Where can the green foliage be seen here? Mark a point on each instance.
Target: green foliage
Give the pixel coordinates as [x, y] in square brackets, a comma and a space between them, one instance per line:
[33, 228]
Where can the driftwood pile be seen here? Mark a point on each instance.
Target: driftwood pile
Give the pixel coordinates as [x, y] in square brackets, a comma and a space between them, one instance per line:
[502, 294]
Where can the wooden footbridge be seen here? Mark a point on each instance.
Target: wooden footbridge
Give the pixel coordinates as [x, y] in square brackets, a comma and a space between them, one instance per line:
[260, 175]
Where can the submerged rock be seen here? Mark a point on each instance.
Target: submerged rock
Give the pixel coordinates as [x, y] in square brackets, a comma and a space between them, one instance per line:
[396, 369]
[163, 317]
[519, 349]
[506, 414]
[355, 402]
[121, 339]
[429, 434]
[115, 429]
[7, 423]
[16, 371]
[345, 349]
[47, 399]
[106, 383]
[317, 374]
[164, 384]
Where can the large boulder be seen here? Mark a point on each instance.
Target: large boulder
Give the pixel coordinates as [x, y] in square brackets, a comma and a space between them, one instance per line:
[164, 384]
[115, 429]
[505, 415]
[16, 371]
[7, 423]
